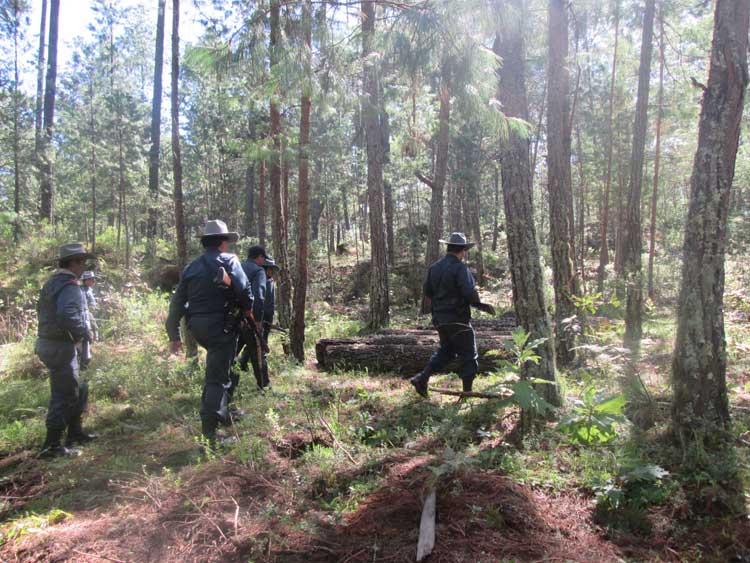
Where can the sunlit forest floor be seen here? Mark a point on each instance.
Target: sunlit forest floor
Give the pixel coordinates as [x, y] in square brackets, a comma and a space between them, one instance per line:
[334, 466]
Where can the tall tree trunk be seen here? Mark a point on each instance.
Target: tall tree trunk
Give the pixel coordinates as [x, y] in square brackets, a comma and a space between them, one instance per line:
[46, 188]
[435, 229]
[122, 200]
[16, 131]
[632, 243]
[249, 226]
[283, 301]
[39, 109]
[581, 212]
[379, 297]
[385, 128]
[92, 132]
[604, 219]
[699, 364]
[179, 213]
[496, 207]
[517, 181]
[559, 180]
[153, 153]
[297, 336]
[262, 203]
[476, 227]
[657, 160]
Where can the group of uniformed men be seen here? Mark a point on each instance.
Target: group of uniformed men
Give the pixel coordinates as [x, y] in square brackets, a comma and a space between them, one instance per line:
[222, 299]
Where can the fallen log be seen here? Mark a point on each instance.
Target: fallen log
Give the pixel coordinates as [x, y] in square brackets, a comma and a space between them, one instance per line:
[401, 355]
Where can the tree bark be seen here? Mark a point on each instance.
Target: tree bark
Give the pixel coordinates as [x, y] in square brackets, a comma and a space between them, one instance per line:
[47, 188]
[435, 229]
[632, 240]
[297, 334]
[385, 129]
[279, 233]
[379, 295]
[153, 153]
[517, 180]
[16, 131]
[604, 219]
[249, 226]
[657, 160]
[262, 203]
[396, 352]
[39, 109]
[92, 132]
[699, 363]
[179, 213]
[559, 180]
[495, 207]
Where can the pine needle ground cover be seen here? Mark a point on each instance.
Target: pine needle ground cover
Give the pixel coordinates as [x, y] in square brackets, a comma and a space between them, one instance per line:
[335, 466]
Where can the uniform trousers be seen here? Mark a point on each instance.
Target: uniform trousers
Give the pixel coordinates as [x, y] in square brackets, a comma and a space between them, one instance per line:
[457, 340]
[220, 348]
[68, 394]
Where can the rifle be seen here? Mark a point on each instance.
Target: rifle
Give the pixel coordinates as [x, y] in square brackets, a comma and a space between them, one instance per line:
[277, 328]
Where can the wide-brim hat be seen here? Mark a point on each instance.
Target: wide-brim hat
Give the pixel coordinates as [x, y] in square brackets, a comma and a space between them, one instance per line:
[270, 263]
[218, 228]
[256, 250]
[74, 250]
[458, 239]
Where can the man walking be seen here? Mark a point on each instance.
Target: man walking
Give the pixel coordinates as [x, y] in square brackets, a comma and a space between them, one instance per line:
[252, 352]
[213, 293]
[63, 328]
[88, 278]
[270, 266]
[451, 289]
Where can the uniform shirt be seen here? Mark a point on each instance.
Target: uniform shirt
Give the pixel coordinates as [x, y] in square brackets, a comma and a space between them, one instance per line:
[62, 308]
[450, 286]
[270, 305]
[88, 292]
[256, 275]
[198, 294]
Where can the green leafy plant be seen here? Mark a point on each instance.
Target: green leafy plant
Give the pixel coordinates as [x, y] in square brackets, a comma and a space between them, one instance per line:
[521, 392]
[621, 500]
[593, 418]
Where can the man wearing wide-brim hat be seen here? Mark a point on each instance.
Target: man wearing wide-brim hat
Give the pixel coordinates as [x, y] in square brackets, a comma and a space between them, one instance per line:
[213, 294]
[250, 350]
[63, 328]
[269, 310]
[451, 289]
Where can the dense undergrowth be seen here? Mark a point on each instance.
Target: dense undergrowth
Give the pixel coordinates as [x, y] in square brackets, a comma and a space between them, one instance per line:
[325, 462]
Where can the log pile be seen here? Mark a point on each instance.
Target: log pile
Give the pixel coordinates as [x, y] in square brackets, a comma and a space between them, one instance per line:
[407, 351]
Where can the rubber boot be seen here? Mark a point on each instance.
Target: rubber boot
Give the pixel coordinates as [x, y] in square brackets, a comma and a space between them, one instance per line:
[467, 384]
[53, 448]
[208, 428]
[76, 434]
[419, 382]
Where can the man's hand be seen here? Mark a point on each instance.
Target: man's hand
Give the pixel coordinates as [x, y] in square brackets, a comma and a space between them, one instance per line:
[485, 308]
[175, 347]
[249, 315]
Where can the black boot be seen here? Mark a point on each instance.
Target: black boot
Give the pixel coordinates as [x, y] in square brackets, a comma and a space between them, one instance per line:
[53, 448]
[467, 384]
[76, 434]
[208, 428]
[419, 382]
